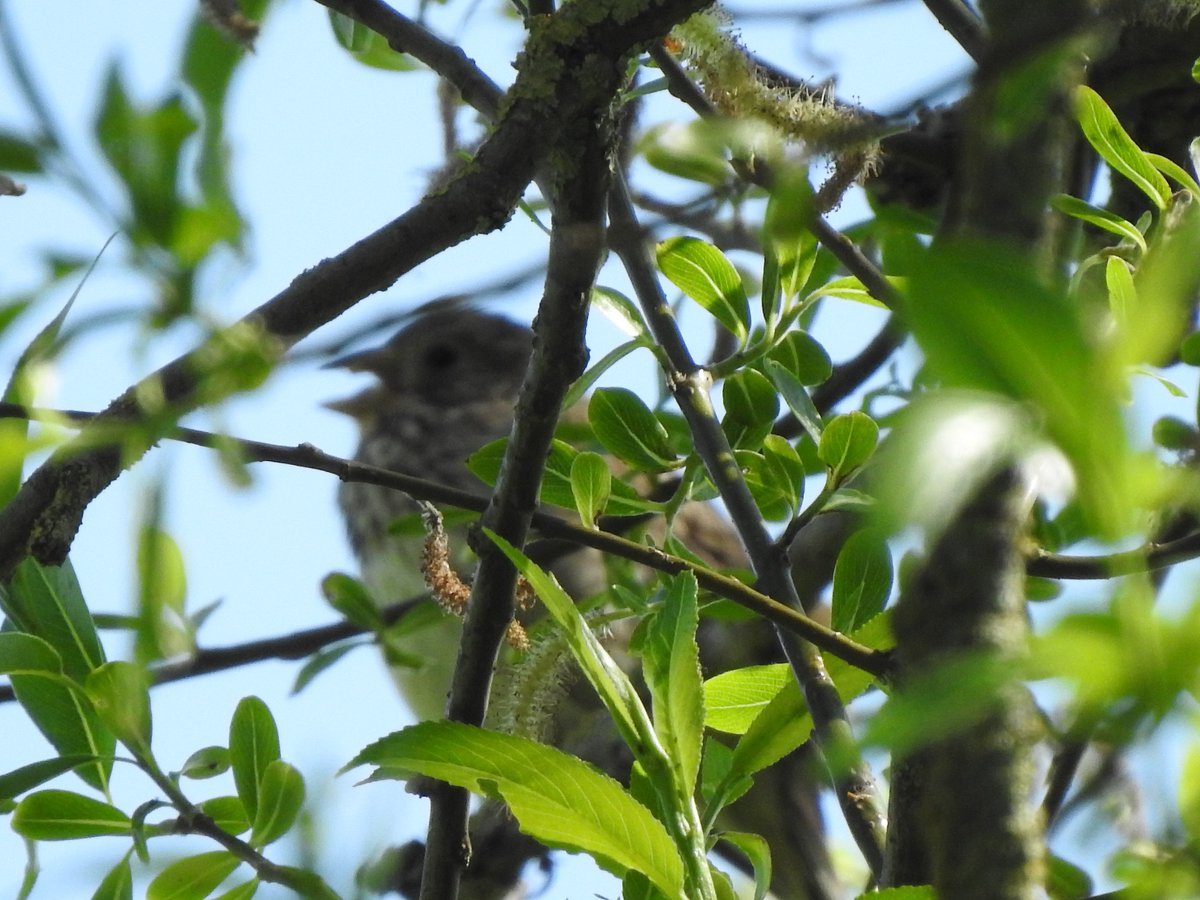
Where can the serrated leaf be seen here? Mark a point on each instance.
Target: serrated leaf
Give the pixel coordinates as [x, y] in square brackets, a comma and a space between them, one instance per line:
[758, 851]
[253, 746]
[1101, 218]
[561, 801]
[629, 430]
[847, 442]
[705, 275]
[672, 668]
[1117, 148]
[55, 815]
[280, 797]
[862, 580]
[192, 878]
[591, 483]
[733, 699]
[120, 694]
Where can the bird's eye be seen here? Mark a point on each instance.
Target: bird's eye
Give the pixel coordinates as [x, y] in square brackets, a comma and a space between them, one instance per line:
[441, 356]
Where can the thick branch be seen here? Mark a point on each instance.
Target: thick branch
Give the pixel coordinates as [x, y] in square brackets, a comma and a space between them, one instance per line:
[46, 514]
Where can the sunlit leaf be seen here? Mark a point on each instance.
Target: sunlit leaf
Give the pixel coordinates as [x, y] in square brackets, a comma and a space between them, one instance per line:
[1117, 148]
[560, 800]
[705, 275]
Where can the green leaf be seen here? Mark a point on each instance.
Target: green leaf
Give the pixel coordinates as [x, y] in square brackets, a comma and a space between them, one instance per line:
[192, 878]
[621, 311]
[1101, 218]
[1175, 172]
[558, 799]
[280, 796]
[47, 601]
[162, 595]
[851, 288]
[758, 851]
[785, 467]
[733, 699]
[1066, 881]
[18, 781]
[704, 274]
[751, 406]
[862, 580]
[368, 47]
[243, 891]
[227, 812]
[322, 660]
[628, 430]
[1122, 295]
[987, 323]
[1117, 148]
[591, 483]
[117, 884]
[120, 694]
[253, 746]
[802, 356]
[774, 497]
[1167, 279]
[207, 762]
[672, 668]
[56, 704]
[18, 154]
[685, 151]
[588, 379]
[796, 396]
[847, 442]
[347, 595]
[54, 815]
[1189, 792]
[556, 487]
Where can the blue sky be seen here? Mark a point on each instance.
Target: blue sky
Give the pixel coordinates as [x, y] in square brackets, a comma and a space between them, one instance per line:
[325, 151]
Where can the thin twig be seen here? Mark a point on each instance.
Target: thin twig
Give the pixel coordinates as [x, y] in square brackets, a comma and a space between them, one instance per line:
[306, 456]
[962, 23]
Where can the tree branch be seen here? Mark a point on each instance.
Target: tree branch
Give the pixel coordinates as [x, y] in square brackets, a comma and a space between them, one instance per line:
[689, 385]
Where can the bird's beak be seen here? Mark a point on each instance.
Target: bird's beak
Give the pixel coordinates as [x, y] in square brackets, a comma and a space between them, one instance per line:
[360, 407]
[362, 361]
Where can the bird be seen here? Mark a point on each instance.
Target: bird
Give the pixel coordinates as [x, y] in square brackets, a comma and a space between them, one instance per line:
[444, 386]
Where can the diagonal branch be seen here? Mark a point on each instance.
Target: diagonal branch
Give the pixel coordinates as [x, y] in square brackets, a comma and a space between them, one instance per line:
[45, 516]
[689, 384]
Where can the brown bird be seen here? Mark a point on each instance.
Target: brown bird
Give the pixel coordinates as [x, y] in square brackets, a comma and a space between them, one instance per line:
[447, 385]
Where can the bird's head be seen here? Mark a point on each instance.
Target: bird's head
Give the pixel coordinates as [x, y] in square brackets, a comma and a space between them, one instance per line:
[446, 356]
